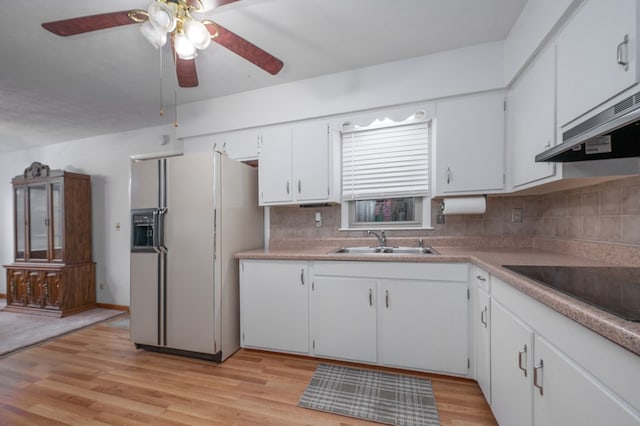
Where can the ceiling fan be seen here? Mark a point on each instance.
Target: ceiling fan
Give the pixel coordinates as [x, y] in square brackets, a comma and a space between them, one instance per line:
[171, 20]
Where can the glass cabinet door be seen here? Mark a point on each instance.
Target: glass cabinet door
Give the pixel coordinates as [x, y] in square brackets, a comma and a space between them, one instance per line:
[19, 223]
[56, 220]
[38, 222]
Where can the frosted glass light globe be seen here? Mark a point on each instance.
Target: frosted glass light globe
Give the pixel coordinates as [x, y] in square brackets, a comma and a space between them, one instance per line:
[197, 33]
[184, 48]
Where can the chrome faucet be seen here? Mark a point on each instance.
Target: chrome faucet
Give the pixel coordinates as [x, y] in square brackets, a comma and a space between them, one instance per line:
[382, 238]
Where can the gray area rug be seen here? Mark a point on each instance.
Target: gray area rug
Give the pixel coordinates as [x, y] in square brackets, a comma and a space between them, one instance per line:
[377, 396]
[19, 331]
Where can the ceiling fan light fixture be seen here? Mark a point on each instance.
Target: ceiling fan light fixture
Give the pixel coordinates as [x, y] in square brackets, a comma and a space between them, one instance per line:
[162, 17]
[156, 37]
[184, 47]
[197, 33]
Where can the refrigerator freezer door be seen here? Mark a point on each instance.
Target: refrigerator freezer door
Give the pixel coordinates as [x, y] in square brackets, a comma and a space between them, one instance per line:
[189, 241]
[145, 299]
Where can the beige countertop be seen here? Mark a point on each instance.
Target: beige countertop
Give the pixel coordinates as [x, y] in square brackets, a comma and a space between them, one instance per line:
[625, 333]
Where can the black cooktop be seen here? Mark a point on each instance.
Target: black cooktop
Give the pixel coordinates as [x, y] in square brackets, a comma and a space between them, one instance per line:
[612, 289]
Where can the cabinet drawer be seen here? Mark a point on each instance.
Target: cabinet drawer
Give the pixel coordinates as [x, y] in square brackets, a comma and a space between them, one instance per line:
[418, 271]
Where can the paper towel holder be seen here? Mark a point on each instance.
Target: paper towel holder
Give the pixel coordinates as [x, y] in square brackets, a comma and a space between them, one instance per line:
[442, 203]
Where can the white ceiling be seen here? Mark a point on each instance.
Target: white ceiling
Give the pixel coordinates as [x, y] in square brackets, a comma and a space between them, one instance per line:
[55, 89]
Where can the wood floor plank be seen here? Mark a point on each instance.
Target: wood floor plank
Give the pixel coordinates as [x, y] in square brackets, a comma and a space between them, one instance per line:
[96, 376]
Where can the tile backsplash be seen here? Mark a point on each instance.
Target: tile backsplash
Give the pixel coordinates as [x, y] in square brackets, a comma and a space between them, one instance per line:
[607, 212]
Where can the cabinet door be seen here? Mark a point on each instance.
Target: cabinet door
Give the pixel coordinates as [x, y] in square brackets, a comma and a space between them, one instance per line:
[412, 318]
[343, 318]
[38, 222]
[532, 125]
[588, 70]
[470, 143]
[511, 362]
[241, 145]
[274, 171]
[311, 161]
[483, 343]
[571, 396]
[56, 221]
[20, 222]
[274, 305]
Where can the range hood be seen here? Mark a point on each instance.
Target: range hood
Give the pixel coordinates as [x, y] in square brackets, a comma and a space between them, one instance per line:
[613, 133]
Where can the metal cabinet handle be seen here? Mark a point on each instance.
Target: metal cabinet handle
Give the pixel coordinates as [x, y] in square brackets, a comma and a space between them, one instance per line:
[483, 317]
[386, 298]
[299, 186]
[302, 276]
[480, 278]
[537, 376]
[624, 59]
[288, 188]
[370, 297]
[520, 357]
[448, 174]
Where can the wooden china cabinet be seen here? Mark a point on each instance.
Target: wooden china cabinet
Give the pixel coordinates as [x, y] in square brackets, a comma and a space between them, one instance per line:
[53, 272]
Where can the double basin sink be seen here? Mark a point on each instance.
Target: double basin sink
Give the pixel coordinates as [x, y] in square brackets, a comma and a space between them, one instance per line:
[385, 250]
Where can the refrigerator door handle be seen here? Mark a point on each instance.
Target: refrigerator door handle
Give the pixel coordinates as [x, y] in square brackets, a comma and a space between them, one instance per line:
[160, 228]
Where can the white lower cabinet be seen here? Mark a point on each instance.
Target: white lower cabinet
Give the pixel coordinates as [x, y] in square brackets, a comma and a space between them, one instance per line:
[483, 342]
[564, 394]
[535, 382]
[274, 305]
[406, 315]
[511, 355]
[343, 318]
[423, 324]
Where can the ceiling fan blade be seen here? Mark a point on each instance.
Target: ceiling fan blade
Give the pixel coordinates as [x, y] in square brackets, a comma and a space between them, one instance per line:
[85, 24]
[186, 71]
[242, 47]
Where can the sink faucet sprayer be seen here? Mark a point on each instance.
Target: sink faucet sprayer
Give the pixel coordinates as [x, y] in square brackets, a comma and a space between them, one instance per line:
[382, 238]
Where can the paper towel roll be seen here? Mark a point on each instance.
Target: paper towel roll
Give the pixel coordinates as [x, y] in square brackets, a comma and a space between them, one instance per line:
[464, 205]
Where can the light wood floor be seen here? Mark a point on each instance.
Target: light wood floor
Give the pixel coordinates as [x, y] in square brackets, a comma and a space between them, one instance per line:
[96, 377]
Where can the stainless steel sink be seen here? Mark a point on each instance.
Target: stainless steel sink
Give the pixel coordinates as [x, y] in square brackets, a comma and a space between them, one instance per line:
[358, 250]
[413, 250]
[385, 250]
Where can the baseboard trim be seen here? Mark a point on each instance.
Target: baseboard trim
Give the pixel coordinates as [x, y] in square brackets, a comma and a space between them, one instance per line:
[116, 307]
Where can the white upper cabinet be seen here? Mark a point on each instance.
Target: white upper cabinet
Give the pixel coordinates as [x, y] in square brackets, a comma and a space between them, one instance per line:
[597, 56]
[470, 144]
[532, 121]
[241, 145]
[296, 164]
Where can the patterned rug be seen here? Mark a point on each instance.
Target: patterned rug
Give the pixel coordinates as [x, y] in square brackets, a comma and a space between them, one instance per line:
[377, 396]
[19, 331]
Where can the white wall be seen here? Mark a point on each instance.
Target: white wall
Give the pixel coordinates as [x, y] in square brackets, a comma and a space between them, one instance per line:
[106, 159]
[471, 69]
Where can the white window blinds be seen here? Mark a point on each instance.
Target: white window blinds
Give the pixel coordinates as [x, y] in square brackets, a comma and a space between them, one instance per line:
[387, 162]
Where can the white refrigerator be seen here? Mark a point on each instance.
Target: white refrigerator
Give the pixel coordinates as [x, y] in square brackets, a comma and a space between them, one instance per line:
[189, 215]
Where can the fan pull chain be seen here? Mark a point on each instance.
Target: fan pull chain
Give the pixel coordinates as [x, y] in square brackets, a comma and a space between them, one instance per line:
[175, 108]
[161, 103]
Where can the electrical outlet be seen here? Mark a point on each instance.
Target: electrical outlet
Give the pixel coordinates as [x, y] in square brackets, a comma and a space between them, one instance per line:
[440, 219]
[516, 215]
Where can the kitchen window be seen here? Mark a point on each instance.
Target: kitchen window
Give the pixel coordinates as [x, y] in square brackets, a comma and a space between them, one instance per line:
[385, 174]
